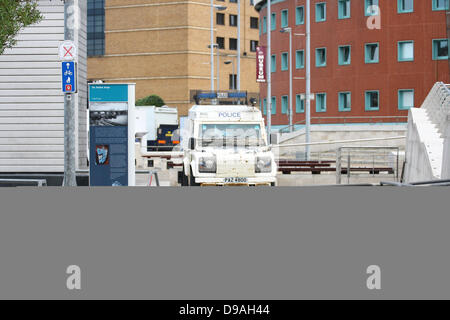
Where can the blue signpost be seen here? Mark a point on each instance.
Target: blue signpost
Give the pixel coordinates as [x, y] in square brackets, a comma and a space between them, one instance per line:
[69, 77]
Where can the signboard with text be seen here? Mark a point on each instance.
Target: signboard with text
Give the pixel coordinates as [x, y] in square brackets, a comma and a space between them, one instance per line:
[69, 77]
[261, 64]
[111, 160]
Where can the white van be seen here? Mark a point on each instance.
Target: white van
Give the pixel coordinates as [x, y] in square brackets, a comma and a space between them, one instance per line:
[226, 145]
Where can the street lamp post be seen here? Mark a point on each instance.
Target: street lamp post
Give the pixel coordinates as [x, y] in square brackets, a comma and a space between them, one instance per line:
[219, 8]
[308, 80]
[269, 71]
[289, 30]
[238, 47]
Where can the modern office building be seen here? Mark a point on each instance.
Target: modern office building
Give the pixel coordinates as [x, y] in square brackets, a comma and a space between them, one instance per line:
[162, 46]
[31, 98]
[371, 60]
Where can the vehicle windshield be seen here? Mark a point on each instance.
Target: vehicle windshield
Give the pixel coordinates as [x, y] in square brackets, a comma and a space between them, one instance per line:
[231, 135]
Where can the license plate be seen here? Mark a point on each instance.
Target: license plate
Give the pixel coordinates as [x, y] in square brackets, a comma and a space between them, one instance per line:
[235, 180]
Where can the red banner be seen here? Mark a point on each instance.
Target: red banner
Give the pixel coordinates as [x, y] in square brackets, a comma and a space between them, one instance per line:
[261, 64]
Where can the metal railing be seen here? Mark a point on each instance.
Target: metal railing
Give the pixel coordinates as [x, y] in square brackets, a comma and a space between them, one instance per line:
[345, 120]
[371, 156]
[23, 182]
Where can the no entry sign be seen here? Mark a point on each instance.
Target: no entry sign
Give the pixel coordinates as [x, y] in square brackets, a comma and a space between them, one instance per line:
[67, 51]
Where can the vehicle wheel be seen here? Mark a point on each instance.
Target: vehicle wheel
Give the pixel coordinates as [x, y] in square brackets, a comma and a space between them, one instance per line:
[192, 182]
[272, 184]
[184, 179]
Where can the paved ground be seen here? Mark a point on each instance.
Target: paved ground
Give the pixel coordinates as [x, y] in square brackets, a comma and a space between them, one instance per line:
[170, 178]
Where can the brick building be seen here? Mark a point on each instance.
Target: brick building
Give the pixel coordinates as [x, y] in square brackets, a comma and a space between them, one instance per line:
[162, 46]
[357, 74]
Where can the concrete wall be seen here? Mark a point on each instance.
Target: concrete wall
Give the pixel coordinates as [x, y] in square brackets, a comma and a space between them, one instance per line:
[323, 133]
[31, 101]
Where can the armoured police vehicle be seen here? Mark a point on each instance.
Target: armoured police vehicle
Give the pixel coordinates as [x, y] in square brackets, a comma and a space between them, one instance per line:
[225, 143]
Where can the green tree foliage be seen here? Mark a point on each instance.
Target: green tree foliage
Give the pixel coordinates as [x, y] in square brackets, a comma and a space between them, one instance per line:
[152, 100]
[14, 16]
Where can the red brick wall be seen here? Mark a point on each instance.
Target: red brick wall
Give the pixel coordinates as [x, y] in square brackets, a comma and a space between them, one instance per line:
[387, 76]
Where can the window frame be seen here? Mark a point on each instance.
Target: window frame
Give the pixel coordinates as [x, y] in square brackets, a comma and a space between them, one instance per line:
[399, 51]
[366, 7]
[436, 8]
[273, 63]
[284, 18]
[366, 45]
[284, 61]
[341, 108]
[402, 10]
[317, 51]
[284, 104]
[320, 4]
[340, 13]
[321, 94]
[302, 66]
[298, 98]
[434, 49]
[400, 101]
[340, 60]
[297, 20]
[367, 107]
[274, 105]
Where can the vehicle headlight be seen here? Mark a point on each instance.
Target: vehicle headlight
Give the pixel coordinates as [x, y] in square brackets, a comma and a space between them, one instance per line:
[207, 165]
[263, 164]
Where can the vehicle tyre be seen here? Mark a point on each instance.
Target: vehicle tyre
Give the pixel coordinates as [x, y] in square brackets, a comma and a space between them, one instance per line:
[184, 179]
[192, 182]
[273, 184]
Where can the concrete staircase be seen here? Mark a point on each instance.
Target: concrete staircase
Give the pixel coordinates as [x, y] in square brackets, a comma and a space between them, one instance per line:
[427, 149]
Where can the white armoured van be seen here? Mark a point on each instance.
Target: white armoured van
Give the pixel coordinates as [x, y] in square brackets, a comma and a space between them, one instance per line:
[226, 145]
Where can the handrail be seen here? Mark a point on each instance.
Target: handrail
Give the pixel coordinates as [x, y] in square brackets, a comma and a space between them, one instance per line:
[344, 120]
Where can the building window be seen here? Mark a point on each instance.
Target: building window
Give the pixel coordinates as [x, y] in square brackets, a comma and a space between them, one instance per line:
[264, 106]
[372, 100]
[406, 51]
[299, 104]
[264, 24]
[440, 5]
[284, 18]
[233, 20]
[274, 105]
[233, 1]
[273, 21]
[344, 55]
[372, 53]
[344, 9]
[321, 57]
[273, 63]
[233, 81]
[405, 99]
[220, 18]
[405, 6]
[321, 102]
[96, 28]
[220, 42]
[440, 49]
[299, 59]
[284, 104]
[321, 12]
[253, 45]
[345, 101]
[300, 15]
[371, 7]
[253, 23]
[233, 44]
[284, 61]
